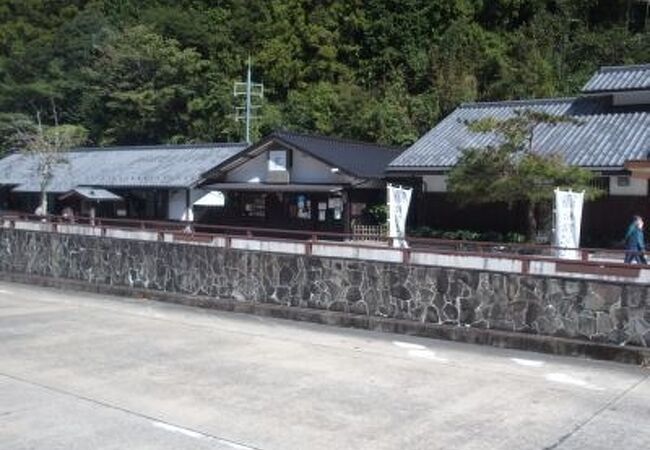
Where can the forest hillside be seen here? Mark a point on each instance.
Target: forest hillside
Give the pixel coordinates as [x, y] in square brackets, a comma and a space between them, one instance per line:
[162, 71]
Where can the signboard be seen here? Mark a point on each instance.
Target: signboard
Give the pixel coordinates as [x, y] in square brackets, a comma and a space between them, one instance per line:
[399, 199]
[568, 221]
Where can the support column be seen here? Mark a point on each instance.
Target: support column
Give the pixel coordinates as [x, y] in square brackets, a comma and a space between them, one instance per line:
[188, 216]
[347, 212]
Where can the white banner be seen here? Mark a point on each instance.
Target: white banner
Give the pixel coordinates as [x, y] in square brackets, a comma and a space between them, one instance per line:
[399, 200]
[568, 221]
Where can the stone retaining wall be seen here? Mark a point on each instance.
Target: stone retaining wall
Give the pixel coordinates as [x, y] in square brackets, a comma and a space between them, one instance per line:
[605, 312]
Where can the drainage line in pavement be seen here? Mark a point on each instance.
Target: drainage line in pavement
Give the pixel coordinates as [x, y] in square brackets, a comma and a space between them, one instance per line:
[166, 425]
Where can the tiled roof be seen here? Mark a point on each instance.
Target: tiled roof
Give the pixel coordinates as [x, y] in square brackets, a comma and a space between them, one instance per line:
[619, 78]
[359, 159]
[606, 137]
[142, 166]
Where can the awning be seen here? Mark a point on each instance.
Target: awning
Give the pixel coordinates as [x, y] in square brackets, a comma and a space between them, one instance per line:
[93, 194]
[264, 187]
[212, 198]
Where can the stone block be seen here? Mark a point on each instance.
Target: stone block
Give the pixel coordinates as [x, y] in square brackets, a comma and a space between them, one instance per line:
[604, 323]
[601, 296]
[635, 296]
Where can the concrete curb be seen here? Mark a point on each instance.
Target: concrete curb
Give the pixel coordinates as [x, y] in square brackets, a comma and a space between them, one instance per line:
[496, 338]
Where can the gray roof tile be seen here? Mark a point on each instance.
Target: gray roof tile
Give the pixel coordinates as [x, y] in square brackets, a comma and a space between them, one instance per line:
[143, 166]
[619, 78]
[607, 136]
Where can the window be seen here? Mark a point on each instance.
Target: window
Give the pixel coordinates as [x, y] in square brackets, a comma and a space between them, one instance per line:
[278, 161]
[601, 183]
[254, 205]
[622, 181]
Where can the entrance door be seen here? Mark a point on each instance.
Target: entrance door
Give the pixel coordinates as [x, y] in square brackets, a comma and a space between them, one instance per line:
[276, 211]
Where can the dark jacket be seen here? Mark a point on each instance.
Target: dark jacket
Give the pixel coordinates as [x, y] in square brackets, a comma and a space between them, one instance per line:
[634, 239]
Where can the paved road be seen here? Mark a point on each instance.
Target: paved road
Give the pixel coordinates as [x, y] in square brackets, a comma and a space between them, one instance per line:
[81, 371]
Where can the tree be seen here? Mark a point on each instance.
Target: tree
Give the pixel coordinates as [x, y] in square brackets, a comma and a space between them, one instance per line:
[48, 145]
[149, 90]
[513, 170]
[160, 71]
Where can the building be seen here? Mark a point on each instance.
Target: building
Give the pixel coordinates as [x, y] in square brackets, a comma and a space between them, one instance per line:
[304, 182]
[144, 182]
[612, 140]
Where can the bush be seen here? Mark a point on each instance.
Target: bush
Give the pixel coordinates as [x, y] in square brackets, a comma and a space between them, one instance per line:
[467, 235]
[492, 236]
[515, 238]
[379, 213]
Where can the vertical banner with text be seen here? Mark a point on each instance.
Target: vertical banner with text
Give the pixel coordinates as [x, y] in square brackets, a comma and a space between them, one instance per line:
[399, 199]
[568, 221]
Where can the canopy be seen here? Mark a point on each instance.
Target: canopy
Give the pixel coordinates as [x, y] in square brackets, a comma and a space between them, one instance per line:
[93, 194]
[212, 198]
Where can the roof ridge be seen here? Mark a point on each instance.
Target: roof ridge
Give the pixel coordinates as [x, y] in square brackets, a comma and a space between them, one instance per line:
[604, 69]
[533, 101]
[279, 133]
[156, 147]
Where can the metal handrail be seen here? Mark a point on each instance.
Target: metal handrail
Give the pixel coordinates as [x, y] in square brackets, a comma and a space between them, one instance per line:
[523, 252]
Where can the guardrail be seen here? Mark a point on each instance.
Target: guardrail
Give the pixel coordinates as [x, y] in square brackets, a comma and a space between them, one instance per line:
[490, 256]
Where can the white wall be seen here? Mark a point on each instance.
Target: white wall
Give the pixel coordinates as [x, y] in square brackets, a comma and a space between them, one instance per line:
[177, 207]
[631, 98]
[435, 183]
[304, 169]
[638, 187]
[252, 171]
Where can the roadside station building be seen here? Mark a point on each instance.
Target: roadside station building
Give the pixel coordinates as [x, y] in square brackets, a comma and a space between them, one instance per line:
[304, 182]
[612, 140]
[143, 182]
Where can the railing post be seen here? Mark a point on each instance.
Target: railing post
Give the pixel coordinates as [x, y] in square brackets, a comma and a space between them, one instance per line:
[309, 245]
[406, 255]
[584, 254]
[228, 241]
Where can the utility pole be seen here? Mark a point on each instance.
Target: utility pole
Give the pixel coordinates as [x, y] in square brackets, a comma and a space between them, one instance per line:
[249, 90]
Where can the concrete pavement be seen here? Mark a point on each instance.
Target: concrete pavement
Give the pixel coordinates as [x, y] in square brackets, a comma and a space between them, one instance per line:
[83, 371]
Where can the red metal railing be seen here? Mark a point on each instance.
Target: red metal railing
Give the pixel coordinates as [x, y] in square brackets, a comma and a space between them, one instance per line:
[597, 259]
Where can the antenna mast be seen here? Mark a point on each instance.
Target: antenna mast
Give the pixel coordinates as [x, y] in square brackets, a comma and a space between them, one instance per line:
[249, 90]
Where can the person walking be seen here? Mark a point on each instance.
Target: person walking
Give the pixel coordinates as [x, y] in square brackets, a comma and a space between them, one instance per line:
[635, 242]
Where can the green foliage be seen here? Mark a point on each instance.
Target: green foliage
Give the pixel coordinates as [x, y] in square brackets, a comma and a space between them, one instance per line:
[467, 235]
[379, 213]
[152, 71]
[513, 171]
[9, 123]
